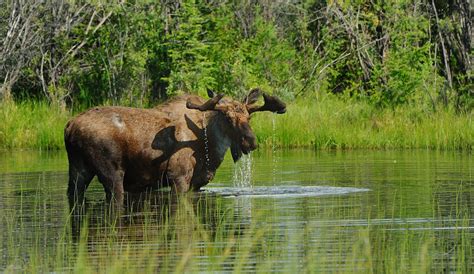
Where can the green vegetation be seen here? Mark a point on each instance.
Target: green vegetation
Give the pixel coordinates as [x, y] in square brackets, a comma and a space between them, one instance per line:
[337, 124]
[384, 74]
[31, 125]
[390, 53]
[325, 123]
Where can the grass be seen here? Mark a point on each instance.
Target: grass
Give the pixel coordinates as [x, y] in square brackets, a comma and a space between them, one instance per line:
[31, 125]
[331, 123]
[325, 123]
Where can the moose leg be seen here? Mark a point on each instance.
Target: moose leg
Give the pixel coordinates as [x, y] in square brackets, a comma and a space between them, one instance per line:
[181, 177]
[112, 180]
[181, 184]
[201, 179]
[180, 170]
[79, 179]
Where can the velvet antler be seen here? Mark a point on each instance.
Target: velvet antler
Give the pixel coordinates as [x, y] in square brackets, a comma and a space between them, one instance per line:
[209, 105]
[272, 103]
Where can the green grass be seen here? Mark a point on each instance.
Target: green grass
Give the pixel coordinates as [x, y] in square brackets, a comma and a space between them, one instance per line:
[327, 123]
[31, 125]
[336, 124]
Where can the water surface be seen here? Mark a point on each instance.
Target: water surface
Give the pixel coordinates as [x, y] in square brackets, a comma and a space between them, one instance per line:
[300, 210]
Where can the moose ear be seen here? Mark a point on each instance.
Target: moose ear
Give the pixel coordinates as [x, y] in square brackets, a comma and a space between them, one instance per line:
[253, 96]
[210, 93]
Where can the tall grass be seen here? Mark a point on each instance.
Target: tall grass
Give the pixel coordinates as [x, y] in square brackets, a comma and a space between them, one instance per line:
[31, 125]
[328, 122]
[335, 123]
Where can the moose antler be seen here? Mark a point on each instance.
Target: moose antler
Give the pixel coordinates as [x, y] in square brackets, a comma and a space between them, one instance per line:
[209, 105]
[272, 103]
[253, 96]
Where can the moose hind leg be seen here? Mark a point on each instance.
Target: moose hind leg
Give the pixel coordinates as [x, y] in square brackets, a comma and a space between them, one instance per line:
[113, 185]
[79, 179]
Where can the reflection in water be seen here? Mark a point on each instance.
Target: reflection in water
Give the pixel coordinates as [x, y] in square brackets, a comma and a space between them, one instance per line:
[308, 211]
[153, 210]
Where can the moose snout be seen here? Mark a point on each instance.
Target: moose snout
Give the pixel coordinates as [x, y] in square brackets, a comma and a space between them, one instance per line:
[249, 142]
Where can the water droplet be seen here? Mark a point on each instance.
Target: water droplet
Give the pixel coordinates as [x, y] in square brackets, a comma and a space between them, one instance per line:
[206, 142]
[274, 157]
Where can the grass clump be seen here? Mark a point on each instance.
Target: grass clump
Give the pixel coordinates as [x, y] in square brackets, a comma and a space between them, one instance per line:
[31, 125]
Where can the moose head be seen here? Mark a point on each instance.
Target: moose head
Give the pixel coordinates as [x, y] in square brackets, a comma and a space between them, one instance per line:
[238, 114]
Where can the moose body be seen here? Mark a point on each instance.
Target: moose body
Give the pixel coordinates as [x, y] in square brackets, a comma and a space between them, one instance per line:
[180, 143]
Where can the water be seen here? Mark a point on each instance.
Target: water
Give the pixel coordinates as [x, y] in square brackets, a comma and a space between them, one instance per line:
[242, 177]
[307, 212]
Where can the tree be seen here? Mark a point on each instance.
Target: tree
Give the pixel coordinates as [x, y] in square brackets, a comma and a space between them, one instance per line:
[191, 69]
[20, 38]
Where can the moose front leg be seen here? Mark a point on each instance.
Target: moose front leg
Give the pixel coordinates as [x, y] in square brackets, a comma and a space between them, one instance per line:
[203, 180]
[182, 184]
[180, 170]
[112, 180]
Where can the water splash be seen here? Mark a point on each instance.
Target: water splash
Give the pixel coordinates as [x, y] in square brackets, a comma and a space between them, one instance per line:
[243, 172]
[242, 180]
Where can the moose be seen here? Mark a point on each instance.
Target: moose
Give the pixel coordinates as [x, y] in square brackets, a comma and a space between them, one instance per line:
[178, 144]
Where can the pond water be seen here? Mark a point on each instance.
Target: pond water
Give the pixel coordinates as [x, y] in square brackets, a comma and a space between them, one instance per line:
[298, 210]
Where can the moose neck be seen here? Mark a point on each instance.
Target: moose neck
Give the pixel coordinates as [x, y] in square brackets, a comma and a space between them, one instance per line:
[218, 139]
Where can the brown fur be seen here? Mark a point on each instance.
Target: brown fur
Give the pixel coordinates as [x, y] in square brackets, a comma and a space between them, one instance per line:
[132, 149]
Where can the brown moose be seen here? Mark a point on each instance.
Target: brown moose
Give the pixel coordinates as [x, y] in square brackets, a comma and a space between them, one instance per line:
[180, 143]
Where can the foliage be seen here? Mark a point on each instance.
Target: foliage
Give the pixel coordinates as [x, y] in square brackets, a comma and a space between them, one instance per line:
[135, 53]
[407, 69]
[191, 69]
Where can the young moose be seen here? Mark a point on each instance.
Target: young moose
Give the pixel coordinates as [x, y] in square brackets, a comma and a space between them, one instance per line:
[180, 143]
